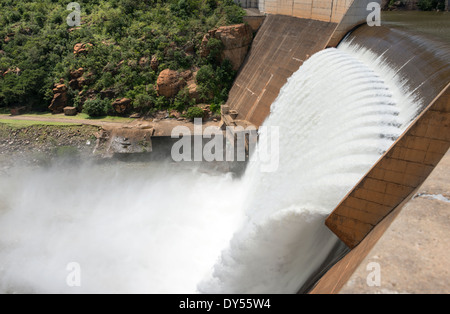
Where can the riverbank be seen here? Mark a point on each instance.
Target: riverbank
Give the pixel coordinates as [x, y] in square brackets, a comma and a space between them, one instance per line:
[39, 144]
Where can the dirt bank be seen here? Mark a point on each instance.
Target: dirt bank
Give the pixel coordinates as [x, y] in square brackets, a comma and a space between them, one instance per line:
[39, 144]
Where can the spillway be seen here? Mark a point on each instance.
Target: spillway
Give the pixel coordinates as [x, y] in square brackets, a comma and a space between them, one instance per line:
[337, 115]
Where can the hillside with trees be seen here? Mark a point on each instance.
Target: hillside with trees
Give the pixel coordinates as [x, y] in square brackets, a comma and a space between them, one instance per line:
[117, 53]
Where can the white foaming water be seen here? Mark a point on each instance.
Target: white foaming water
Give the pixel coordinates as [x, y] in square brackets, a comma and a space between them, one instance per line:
[158, 229]
[132, 228]
[336, 117]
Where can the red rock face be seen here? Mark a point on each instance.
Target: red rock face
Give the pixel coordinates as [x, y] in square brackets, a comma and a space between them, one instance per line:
[77, 80]
[81, 48]
[154, 63]
[77, 73]
[15, 71]
[169, 83]
[236, 40]
[70, 111]
[122, 105]
[59, 100]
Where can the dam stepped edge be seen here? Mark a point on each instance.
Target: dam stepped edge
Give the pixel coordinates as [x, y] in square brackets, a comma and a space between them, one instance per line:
[294, 30]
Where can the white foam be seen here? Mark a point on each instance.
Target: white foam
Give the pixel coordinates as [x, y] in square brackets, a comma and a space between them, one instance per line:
[336, 117]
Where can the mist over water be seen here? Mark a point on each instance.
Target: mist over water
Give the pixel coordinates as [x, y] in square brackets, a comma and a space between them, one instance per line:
[137, 228]
[159, 228]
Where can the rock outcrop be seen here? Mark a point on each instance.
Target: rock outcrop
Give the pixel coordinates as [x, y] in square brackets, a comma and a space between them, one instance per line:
[154, 63]
[59, 101]
[109, 93]
[14, 70]
[169, 83]
[122, 105]
[193, 87]
[81, 48]
[86, 95]
[70, 111]
[144, 62]
[77, 80]
[236, 40]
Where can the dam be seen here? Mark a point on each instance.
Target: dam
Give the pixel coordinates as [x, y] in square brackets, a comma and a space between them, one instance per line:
[364, 117]
[309, 26]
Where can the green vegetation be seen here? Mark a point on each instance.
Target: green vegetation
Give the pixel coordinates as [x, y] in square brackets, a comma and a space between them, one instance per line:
[194, 112]
[37, 50]
[27, 123]
[429, 5]
[96, 107]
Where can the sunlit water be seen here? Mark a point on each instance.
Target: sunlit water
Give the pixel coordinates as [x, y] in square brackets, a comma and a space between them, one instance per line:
[436, 24]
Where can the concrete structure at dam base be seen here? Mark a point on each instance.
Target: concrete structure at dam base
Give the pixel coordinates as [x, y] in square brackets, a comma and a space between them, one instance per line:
[294, 30]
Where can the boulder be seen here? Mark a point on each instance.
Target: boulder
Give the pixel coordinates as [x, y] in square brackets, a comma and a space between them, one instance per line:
[81, 48]
[169, 83]
[59, 101]
[59, 89]
[73, 84]
[70, 111]
[193, 87]
[193, 91]
[15, 71]
[109, 93]
[144, 62]
[174, 114]
[8, 38]
[122, 105]
[18, 111]
[76, 74]
[154, 63]
[236, 40]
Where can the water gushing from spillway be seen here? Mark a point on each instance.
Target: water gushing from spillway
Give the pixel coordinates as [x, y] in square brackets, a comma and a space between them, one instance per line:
[336, 116]
[164, 229]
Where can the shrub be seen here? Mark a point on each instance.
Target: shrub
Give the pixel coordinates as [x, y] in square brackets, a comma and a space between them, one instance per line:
[96, 107]
[194, 112]
[121, 32]
[215, 47]
[205, 76]
[143, 103]
[182, 100]
[215, 108]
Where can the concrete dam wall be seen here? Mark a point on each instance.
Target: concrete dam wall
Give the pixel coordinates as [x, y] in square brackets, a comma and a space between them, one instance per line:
[295, 30]
[292, 32]
[368, 210]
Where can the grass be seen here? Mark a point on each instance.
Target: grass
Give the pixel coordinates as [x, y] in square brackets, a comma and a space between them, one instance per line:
[80, 116]
[27, 123]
